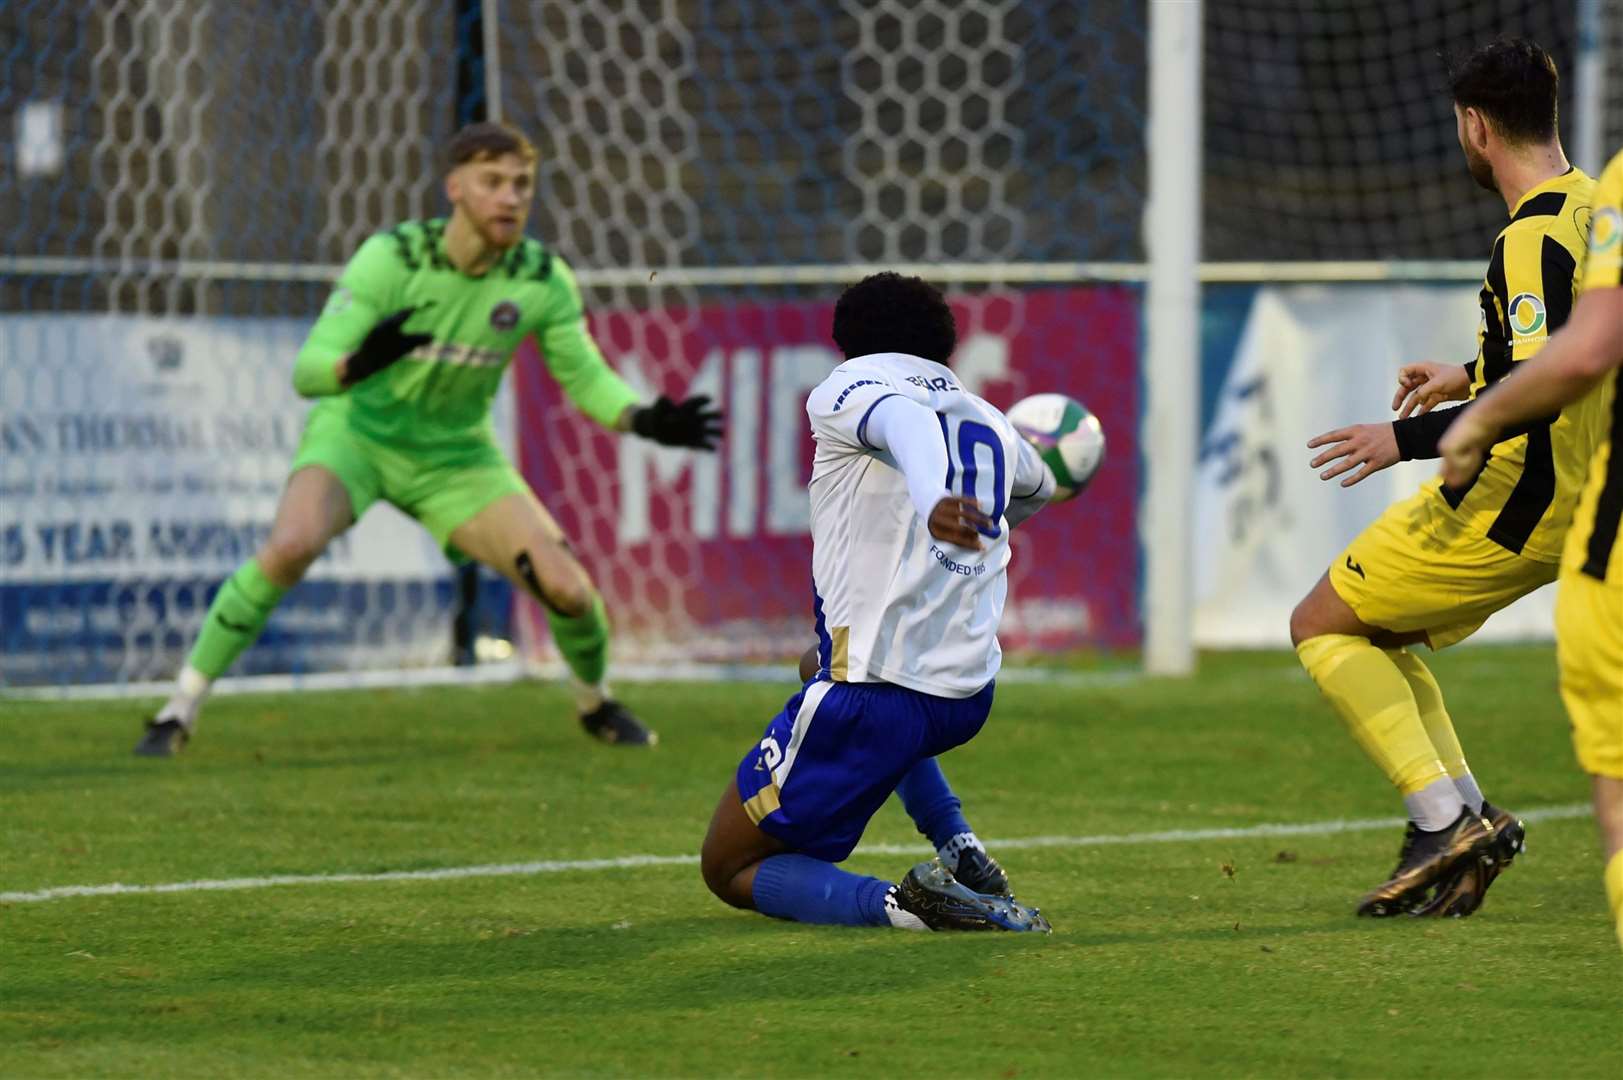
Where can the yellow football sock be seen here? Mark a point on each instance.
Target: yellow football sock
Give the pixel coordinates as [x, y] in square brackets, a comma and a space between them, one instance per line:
[1428, 698]
[1375, 701]
[1614, 891]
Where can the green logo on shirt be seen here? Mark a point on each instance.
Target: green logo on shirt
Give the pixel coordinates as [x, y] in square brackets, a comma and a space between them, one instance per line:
[1526, 314]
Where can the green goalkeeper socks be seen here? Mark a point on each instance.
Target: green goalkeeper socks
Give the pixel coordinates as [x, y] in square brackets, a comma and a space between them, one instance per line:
[248, 597]
[584, 641]
[235, 619]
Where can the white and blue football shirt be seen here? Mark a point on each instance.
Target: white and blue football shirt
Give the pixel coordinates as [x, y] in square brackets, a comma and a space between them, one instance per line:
[893, 604]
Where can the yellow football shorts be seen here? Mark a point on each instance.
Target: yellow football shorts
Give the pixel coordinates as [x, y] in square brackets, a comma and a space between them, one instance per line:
[1418, 567]
[1589, 645]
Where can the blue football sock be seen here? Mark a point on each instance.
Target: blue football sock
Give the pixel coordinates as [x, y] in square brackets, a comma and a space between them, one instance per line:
[931, 803]
[810, 890]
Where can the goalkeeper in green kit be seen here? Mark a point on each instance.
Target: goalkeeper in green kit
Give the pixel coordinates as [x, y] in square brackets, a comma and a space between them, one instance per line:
[405, 360]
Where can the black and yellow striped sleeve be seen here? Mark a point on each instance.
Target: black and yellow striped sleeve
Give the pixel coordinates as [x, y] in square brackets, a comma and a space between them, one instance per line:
[1603, 264]
[1534, 294]
[1603, 269]
[1527, 296]
[1607, 515]
[1493, 336]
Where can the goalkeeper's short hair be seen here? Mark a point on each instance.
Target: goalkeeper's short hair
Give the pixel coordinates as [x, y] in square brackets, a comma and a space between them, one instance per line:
[887, 312]
[1511, 81]
[486, 141]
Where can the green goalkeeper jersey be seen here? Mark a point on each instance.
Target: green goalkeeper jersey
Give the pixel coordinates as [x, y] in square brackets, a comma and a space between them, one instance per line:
[441, 392]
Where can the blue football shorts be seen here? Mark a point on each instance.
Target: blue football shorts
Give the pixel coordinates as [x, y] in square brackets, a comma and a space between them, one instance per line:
[831, 758]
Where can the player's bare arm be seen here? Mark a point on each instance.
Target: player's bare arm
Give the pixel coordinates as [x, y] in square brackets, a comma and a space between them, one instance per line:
[1575, 358]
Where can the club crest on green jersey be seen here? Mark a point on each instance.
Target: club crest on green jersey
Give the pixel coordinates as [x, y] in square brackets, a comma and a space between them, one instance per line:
[504, 316]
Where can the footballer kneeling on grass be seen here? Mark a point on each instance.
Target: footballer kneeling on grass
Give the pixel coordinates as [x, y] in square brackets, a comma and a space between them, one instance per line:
[915, 485]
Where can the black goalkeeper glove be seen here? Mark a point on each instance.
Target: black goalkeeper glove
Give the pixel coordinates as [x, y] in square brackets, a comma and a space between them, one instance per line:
[693, 423]
[383, 345]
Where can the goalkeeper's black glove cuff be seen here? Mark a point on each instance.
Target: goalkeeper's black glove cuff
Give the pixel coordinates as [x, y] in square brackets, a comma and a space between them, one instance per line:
[693, 424]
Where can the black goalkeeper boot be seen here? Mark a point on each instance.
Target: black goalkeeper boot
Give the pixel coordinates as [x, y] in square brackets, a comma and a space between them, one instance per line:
[612, 722]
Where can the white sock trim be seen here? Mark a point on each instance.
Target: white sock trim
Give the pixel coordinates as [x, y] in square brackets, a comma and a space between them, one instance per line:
[181, 709]
[1469, 791]
[589, 697]
[192, 684]
[900, 919]
[1435, 806]
[957, 845]
[191, 687]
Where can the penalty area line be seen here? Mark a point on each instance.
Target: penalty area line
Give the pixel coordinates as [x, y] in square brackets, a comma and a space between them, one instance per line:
[631, 862]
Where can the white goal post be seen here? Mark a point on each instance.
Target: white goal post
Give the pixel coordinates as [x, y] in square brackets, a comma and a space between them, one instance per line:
[1171, 336]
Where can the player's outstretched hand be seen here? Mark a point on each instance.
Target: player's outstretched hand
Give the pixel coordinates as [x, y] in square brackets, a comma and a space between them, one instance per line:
[1422, 387]
[384, 344]
[693, 424]
[1369, 448]
[1463, 448]
[957, 520]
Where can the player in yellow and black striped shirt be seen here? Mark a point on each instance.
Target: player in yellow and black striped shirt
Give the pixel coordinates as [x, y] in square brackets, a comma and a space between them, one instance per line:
[1522, 497]
[1435, 566]
[1583, 363]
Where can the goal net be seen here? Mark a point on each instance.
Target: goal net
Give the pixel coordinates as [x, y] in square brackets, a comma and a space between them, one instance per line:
[1345, 237]
[1329, 132]
[191, 172]
[184, 177]
[722, 173]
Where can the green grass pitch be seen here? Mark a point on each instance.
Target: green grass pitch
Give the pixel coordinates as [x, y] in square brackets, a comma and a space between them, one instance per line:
[1182, 958]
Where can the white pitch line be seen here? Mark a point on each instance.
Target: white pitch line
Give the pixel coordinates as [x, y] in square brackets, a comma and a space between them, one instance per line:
[628, 862]
[1245, 832]
[512, 671]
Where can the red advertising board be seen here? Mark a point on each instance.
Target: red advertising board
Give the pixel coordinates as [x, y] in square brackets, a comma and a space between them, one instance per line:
[707, 556]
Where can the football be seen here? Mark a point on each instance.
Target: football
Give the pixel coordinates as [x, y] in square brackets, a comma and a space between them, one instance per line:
[1066, 434]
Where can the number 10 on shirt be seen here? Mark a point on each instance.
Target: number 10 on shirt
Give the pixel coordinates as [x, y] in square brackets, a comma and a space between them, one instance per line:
[963, 466]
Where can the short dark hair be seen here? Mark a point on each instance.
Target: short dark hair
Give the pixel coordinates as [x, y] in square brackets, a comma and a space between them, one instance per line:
[1513, 83]
[486, 141]
[887, 312]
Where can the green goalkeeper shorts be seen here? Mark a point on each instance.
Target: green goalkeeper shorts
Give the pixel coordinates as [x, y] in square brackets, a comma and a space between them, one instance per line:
[443, 487]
